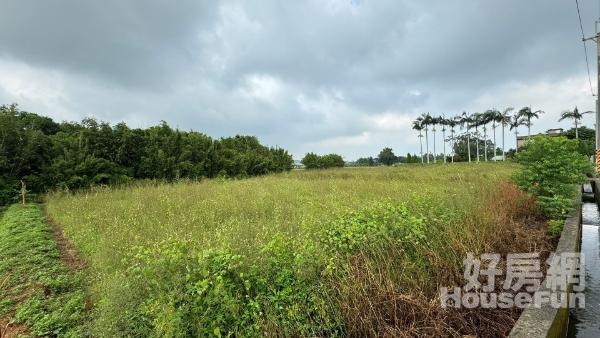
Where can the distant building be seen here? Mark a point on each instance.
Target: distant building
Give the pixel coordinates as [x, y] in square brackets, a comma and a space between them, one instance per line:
[522, 140]
[298, 164]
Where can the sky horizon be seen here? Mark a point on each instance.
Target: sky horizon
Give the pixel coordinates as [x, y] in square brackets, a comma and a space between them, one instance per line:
[344, 77]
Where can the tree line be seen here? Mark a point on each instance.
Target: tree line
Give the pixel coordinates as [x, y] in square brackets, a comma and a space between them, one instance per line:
[386, 157]
[475, 128]
[44, 154]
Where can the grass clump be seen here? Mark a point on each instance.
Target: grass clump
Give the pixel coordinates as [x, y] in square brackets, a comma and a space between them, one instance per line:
[36, 289]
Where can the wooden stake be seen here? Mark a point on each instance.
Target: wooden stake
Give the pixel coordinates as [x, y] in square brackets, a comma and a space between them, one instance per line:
[23, 191]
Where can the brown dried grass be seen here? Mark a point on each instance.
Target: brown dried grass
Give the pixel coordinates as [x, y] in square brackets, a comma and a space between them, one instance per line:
[377, 303]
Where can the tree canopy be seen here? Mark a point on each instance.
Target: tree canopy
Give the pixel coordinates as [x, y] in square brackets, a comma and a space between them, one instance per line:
[314, 161]
[69, 155]
[386, 156]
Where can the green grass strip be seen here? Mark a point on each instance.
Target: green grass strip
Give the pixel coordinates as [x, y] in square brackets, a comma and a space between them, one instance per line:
[36, 288]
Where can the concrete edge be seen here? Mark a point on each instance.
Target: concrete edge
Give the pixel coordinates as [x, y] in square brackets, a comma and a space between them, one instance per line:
[547, 321]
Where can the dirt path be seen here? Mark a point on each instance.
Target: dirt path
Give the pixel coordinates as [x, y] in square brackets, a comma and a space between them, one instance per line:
[11, 330]
[39, 276]
[68, 253]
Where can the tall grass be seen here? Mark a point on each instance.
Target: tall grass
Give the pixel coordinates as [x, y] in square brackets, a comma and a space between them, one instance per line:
[301, 253]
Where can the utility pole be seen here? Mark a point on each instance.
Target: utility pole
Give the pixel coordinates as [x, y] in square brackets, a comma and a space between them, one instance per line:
[597, 101]
[596, 38]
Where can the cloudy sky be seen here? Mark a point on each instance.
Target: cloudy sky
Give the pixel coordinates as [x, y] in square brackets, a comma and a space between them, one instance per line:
[344, 76]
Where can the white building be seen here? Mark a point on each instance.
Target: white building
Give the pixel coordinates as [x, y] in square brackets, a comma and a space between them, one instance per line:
[521, 140]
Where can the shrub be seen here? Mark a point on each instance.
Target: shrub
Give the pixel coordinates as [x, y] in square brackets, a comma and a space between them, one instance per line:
[551, 167]
[555, 226]
[314, 161]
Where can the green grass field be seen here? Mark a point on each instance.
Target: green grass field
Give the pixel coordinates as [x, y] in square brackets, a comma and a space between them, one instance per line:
[39, 294]
[303, 253]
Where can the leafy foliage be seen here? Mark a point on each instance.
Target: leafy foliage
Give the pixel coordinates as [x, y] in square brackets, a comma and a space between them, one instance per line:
[461, 148]
[586, 138]
[366, 162]
[314, 161]
[386, 156]
[551, 167]
[218, 293]
[70, 155]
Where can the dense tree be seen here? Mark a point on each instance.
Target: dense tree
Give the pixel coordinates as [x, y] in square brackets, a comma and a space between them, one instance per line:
[332, 160]
[586, 138]
[410, 158]
[366, 161]
[552, 170]
[387, 157]
[314, 161]
[464, 144]
[72, 155]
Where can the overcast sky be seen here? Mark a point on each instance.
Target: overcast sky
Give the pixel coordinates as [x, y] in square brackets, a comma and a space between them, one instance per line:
[322, 76]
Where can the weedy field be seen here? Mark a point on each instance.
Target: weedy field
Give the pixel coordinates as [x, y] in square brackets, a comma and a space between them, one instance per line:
[345, 252]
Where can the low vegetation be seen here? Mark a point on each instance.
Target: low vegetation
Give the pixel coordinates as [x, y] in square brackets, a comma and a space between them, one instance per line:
[39, 294]
[338, 252]
[551, 170]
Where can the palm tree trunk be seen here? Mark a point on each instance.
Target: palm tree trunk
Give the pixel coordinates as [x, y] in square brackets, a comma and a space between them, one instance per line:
[427, 143]
[494, 129]
[477, 142]
[503, 150]
[434, 154]
[452, 145]
[528, 127]
[469, 145]
[421, 145]
[444, 140]
[576, 131]
[485, 148]
[517, 141]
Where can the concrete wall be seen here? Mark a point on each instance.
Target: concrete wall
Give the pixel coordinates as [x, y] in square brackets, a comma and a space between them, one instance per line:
[547, 321]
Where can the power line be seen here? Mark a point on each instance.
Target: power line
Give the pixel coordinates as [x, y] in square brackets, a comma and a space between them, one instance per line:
[587, 62]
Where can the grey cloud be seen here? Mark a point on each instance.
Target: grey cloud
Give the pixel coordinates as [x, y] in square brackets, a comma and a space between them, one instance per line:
[129, 43]
[296, 74]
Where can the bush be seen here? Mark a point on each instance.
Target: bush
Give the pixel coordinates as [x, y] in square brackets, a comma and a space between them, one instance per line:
[551, 169]
[314, 161]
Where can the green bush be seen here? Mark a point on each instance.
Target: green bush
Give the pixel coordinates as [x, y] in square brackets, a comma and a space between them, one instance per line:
[551, 169]
[555, 226]
[314, 161]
